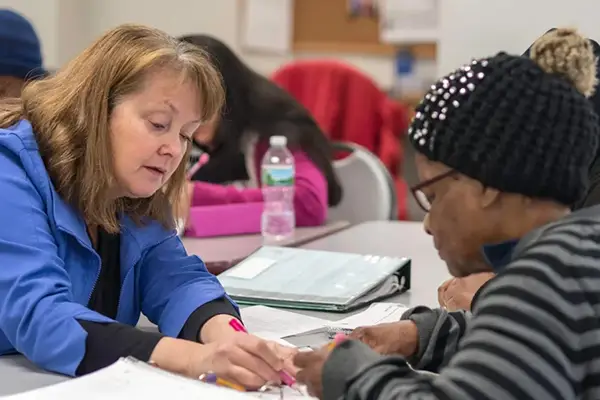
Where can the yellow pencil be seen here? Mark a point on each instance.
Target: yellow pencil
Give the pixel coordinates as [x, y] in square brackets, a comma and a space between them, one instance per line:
[212, 378]
[339, 338]
[231, 385]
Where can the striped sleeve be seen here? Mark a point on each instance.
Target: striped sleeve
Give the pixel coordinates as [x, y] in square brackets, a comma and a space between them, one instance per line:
[440, 332]
[524, 341]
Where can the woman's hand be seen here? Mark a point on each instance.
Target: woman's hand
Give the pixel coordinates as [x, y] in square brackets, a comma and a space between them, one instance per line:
[457, 293]
[287, 354]
[240, 358]
[390, 338]
[243, 359]
[310, 369]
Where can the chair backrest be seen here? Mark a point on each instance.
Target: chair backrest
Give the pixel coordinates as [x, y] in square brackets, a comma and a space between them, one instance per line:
[345, 102]
[369, 192]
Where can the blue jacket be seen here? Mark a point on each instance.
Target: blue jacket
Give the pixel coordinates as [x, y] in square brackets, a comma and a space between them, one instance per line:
[48, 266]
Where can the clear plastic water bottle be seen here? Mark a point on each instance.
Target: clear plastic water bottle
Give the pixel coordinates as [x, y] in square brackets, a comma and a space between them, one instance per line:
[278, 174]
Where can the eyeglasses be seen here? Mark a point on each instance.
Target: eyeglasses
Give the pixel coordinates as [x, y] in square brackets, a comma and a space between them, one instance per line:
[418, 194]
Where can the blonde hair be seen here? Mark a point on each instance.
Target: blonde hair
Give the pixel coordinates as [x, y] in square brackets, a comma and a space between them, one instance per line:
[70, 113]
[567, 53]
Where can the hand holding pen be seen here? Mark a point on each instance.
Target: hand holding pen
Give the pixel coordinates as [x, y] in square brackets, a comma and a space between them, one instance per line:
[242, 362]
[286, 378]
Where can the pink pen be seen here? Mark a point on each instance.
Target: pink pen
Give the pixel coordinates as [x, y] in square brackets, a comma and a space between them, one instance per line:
[339, 338]
[194, 168]
[285, 377]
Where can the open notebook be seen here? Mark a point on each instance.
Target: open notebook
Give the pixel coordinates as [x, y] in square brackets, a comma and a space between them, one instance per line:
[131, 379]
[314, 279]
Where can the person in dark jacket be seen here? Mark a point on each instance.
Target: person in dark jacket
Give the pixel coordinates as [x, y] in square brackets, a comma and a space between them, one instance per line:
[20, 53]
[255, 110]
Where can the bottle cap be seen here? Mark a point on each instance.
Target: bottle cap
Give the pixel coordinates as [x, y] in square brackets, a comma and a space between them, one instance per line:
[278, 141]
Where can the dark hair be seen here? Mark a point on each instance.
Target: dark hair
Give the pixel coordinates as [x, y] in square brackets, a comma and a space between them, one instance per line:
[253, 102]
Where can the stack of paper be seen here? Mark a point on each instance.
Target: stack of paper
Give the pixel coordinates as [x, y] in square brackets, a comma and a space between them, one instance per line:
[377, 313]
[272, 324]
[130, 379]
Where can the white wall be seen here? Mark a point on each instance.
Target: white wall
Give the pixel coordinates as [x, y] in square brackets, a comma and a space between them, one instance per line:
[67, 26]
[469, 28]
[217, 17]
[479, 28]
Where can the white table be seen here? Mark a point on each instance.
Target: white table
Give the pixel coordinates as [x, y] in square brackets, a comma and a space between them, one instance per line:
[17, 375]
[404, 239]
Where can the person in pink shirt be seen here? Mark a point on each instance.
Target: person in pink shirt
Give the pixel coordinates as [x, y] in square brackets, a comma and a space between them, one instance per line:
[255, 110]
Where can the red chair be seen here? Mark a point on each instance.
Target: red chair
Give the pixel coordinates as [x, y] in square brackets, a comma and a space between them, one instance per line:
[350, 107]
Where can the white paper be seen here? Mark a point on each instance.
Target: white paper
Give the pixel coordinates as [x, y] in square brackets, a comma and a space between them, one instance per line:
[409, 21]
[250, 268]
[267, 25]
[377, 313]
[288, 393]
[125, 380]
[271, 323]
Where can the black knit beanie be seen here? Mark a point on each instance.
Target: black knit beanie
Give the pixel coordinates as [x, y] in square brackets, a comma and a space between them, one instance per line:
[518, 124]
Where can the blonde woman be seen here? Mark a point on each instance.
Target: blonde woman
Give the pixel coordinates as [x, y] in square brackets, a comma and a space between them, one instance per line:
[90, 166]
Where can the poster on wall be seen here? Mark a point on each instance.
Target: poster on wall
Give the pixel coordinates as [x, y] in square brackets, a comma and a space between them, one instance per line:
[362, 8]
[409, 21]
[267, 26]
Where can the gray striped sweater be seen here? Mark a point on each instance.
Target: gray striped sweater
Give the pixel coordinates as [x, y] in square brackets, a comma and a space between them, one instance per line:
[534, 332]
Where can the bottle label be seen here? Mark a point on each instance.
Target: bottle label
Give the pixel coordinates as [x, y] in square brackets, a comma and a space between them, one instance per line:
[278, 175]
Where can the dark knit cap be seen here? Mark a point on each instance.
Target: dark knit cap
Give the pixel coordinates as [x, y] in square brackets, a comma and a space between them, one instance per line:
[515, 123]
[20, 53]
